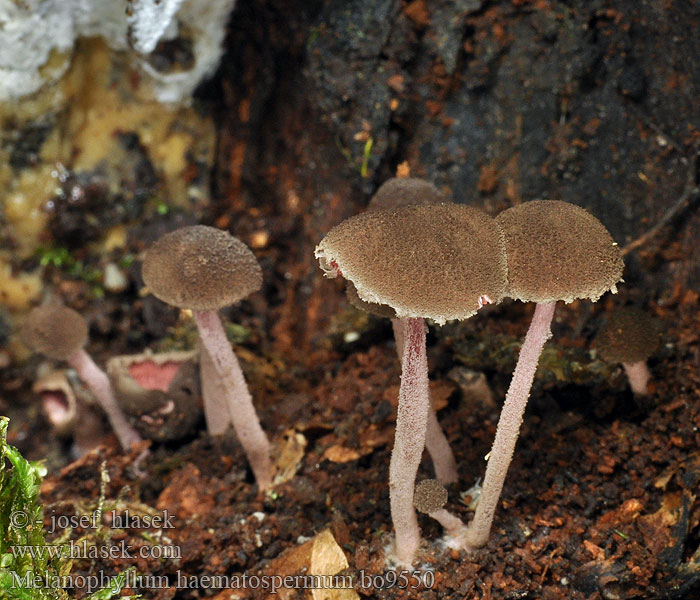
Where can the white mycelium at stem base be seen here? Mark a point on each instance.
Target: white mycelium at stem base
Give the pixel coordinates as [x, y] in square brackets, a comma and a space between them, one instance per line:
[98, 382]
[242, 412]
[509, 423]
[409, 440]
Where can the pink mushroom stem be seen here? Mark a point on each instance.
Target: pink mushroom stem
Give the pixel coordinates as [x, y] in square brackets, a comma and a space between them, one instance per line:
[216, 412]
[409, 440]
[242, 412]
[98, 382]
[509, 424]
[453, 526]
[638, 375]
[436, 443]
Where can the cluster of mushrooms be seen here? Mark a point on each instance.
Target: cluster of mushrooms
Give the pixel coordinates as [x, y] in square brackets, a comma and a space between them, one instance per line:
[421, 257]
[411, 256]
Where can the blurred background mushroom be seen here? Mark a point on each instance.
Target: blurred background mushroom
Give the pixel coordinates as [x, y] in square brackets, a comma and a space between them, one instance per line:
[159, 391]
[59, 332]
[70, 415]
[629, 337]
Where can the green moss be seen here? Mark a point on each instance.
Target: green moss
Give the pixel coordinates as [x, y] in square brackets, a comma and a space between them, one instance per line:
[61, 258]
[25, 557]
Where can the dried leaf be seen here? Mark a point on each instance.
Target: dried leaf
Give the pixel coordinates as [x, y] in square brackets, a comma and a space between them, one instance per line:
[340, 454]
[321, 557]
[290, 454]
[328, 559]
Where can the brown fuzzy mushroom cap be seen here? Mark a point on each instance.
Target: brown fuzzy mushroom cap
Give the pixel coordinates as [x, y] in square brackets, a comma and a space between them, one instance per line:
[201, 268]
[378, 310]
[434, 260]
[404, 191]
[430, 495]
[558, 251]
[55, 331]
[629, 336]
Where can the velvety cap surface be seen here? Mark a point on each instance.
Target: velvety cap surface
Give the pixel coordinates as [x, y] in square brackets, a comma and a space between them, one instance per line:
[201, 268]
[558, 251]
[404, 191]
[430, 495]
[630, 335]
[55, 331]
[378, 310]
[438, 261]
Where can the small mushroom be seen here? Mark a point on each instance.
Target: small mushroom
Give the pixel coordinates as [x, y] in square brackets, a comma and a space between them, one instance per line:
[60, 333]
[430, 498]
[68, 412]
[404, 191]
[204, 269]
[160, 390]
[58, 401]
[438, 261]
[556, 251]
[630, 336]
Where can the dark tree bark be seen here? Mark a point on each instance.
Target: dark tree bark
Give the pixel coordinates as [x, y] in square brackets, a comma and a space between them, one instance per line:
[592, 102]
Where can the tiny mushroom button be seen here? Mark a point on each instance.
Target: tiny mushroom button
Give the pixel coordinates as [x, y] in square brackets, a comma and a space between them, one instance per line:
[430, 498]
[204, 269]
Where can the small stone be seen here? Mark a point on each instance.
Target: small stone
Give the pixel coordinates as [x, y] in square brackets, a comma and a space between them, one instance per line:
[114, 279]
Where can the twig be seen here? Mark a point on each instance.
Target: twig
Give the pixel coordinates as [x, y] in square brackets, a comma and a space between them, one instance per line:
[691, 189]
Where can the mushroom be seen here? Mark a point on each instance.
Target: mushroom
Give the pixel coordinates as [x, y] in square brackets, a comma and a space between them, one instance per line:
[430, 498]
[556, 251]
[630, 336]
[60, 333]
[396, 193]
[404, 191]
[67, 413]
[204, 269]
[438, 261]
[161, 390]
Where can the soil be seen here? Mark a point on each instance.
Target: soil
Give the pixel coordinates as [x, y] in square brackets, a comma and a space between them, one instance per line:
[496, 102]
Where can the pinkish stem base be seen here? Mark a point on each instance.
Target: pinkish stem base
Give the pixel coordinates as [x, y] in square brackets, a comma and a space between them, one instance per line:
[638, 375]
[509, 424]
[409, 440]
[241, 410]
[436, 443]
[98, 382]
[454, 526]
